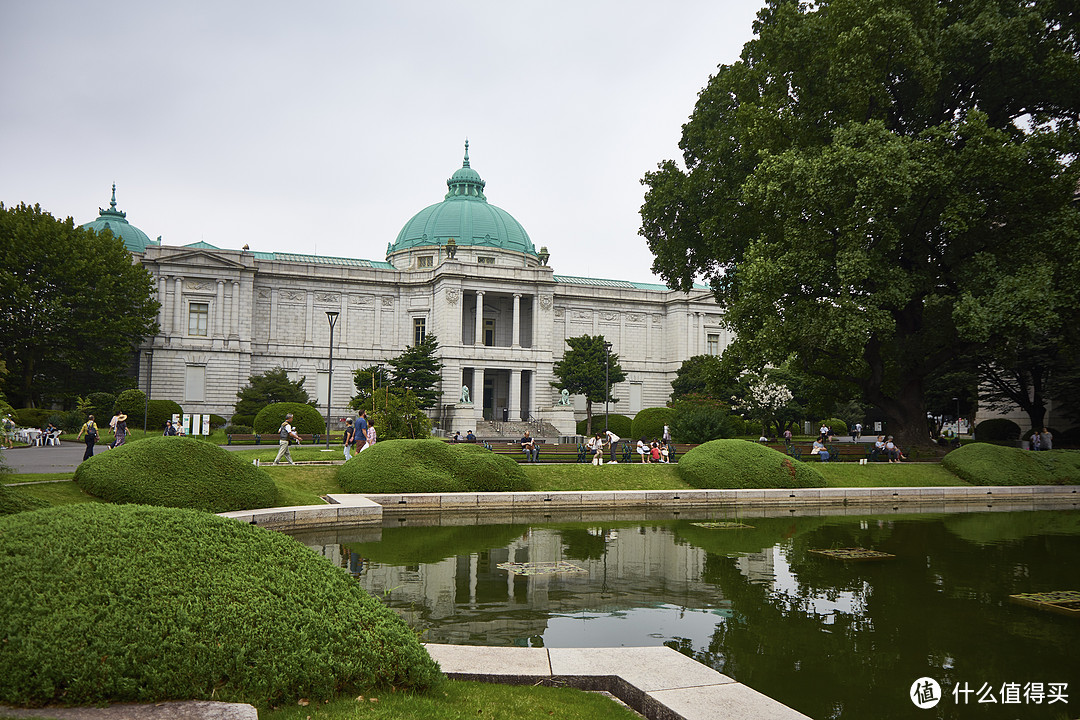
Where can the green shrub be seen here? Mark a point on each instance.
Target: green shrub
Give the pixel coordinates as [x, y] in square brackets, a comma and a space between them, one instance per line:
[238, 430]
[997, 430]
[838, 426]
[176, 472]
[69, 421]
[32, 417]
[621, 425]
[133, 404]
[694, 422]
[159, 412]
[100, 405]
[396, 466]
[248, 420]
[216, 421]
[742, 464]
[112, 603]
[1068, 438]
[12, 501]
[650, 422]
[306, 419]
[989, 464]
[740, 426]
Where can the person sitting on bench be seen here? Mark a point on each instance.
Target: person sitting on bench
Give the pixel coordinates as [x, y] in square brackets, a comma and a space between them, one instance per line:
[532, 453]
[819, 449]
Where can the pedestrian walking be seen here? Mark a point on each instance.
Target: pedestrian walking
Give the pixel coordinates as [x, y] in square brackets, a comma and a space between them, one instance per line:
[89, 429]
[121, 430]
[350, 438]
[286, 433]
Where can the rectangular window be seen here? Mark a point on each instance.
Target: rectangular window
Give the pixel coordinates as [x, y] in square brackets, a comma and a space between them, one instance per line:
[486, 260]
[712, 344]
[425, 261]
[195, 383]
[489, 332]
[198, 318]
[419, 330]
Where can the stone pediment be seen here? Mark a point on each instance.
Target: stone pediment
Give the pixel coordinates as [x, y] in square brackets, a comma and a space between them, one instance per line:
[200, 258]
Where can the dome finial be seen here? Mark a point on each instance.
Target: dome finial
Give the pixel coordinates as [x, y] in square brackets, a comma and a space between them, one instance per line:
[466, 163]
[112, 203]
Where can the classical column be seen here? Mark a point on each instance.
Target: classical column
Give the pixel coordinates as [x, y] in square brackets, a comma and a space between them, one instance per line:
[219, 311]
[234, 321]
[515, 396]
[163, 311]
[274, 306]
[309, 320]
[178, 307]
[700, 343]
[479, 338]
[478, 394]
[516, 342]
[690, 334]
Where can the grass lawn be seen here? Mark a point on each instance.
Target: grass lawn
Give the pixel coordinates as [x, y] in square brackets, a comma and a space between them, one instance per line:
[574, 476]
[61, 493]
[839, 475]
[9, 478]
[461, 700]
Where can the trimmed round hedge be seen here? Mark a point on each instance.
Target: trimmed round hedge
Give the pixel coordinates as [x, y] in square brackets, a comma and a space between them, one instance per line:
[159, 412]
[306, 419]
[619, 424]
[397, 466]
[12, 501]
[740, 464]
[838, 426]
[109, 603]
[176, 472]
[988, 464]
[650, 422]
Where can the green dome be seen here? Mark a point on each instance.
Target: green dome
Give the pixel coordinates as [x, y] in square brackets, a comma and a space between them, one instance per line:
[466, 216]
[135, 240]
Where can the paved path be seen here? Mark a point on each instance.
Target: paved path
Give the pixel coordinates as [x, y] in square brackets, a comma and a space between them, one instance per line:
[48, 459]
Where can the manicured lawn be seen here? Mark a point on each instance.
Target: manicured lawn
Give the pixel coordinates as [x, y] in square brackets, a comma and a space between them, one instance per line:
[61, 493]
[9, 478]
[461, 700]
[573, 476]
[303, 485]
[853, 475]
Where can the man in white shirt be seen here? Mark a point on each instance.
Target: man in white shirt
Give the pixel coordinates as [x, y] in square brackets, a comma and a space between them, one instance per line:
[285, 433]
[613, 442]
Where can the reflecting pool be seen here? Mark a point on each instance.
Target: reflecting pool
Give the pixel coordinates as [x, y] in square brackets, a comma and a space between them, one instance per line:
[833, 638]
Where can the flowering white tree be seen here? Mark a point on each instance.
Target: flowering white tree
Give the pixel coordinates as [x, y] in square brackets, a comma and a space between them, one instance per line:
[762, 399]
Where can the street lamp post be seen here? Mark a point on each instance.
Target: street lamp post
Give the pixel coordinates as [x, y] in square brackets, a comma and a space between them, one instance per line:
[331, 317]
[149, 378]
[607, 385]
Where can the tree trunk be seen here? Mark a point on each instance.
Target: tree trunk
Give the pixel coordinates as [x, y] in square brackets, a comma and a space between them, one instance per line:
[588, 417]
[905, 416]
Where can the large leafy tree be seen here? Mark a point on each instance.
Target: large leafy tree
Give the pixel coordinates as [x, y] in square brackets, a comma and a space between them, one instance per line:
[272, 386]
[73, 308]
[418, 370]
[581, 372]
[862, 186]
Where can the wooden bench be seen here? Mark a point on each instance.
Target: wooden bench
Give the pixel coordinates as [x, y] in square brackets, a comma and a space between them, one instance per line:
[273, 438]
[838, 452]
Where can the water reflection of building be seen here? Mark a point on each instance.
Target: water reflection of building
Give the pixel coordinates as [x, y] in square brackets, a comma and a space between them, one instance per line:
[469, 599]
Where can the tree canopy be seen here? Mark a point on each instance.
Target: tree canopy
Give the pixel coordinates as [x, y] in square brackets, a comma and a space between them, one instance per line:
[73, 308]
[581, 372]
[272, 386]
[864, 187]
[418, 370]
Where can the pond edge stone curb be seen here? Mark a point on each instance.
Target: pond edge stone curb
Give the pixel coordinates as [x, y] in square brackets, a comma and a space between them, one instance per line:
[353, 509]
[658, 682]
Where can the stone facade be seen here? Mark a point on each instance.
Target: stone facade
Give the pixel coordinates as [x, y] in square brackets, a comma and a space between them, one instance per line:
[226, 315]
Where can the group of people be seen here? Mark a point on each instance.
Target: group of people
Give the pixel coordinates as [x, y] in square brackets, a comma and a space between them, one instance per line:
[887, 446]
[359, 436]
[653, 452]
[1041, 440]
[88, 433]
[596, 444]
[469, 437]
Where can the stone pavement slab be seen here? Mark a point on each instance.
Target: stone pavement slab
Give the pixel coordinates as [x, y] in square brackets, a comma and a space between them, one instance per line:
[180, 710]
[646, 668]
[732, 700]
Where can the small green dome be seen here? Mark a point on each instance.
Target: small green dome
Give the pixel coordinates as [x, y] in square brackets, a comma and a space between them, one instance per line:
[466, 216]
[135, 240]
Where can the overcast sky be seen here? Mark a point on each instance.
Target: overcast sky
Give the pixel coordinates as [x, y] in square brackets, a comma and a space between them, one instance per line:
[323, 127]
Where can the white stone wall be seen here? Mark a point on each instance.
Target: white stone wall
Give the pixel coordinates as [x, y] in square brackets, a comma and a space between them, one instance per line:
[264, 314]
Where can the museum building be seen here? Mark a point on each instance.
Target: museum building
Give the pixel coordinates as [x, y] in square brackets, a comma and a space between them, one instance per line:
[463, 269]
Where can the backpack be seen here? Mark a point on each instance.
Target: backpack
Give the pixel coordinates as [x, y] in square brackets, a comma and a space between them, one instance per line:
[91, 430]
[282, 432]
